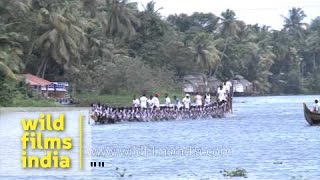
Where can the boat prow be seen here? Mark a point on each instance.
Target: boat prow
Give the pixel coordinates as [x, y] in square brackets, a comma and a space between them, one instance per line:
[311, 117]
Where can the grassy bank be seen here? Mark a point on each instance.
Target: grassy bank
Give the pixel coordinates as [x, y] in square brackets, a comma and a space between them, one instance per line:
[86, 99]
[33, 103]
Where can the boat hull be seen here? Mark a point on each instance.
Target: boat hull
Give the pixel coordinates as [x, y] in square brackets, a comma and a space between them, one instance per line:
[311, 117]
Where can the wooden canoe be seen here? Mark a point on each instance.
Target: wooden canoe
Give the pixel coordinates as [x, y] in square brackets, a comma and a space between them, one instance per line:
[311, 117]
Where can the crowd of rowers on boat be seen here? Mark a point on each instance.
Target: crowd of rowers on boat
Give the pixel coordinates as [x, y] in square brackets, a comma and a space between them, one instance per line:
[145, 109]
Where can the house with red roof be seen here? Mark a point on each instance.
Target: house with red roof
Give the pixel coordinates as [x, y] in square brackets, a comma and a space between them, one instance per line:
[35, 80]
[45, 87]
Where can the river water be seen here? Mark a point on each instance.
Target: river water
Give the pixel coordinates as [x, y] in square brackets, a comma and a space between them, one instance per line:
[266, 136]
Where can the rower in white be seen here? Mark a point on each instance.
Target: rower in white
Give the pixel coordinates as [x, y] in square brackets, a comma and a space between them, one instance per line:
[198, 100]
[186, 101]
[135, 102]
[143, 101]
[168, 100]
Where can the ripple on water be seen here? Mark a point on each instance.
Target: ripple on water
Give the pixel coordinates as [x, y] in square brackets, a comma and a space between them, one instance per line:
[267, 136]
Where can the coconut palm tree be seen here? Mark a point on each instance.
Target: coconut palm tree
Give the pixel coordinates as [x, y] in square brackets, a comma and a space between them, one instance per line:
[293, 23]
[264, 59]
[62, 42]
[120, 18]
[206, 53]
[11, 52]
[90, 7]
[151, 9]
[312, 50]
[229, 27]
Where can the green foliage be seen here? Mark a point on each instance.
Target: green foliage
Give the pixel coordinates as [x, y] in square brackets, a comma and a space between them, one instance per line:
[206, 55]
[32, 102]
[207, 22]
[14, 94]
[120, 18]
[110, 47]
[127, 74]
[8, 92]
[123, 98]
[10, 51]
[62, 42]
[313, 83]
[115, 100]
[239, 172]
[122, 173]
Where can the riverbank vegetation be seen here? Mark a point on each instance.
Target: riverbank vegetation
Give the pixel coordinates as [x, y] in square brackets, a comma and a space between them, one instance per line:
[239, 172]
[108, 47]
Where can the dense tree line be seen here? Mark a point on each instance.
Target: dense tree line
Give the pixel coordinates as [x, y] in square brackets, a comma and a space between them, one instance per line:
[109, 46]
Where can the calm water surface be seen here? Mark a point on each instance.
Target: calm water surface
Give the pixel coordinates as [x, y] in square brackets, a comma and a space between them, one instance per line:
[267, 136]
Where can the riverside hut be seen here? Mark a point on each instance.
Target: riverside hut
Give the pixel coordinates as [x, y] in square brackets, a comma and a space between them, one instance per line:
[241, 86]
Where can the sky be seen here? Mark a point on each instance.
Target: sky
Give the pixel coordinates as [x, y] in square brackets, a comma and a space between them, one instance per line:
[266, 12]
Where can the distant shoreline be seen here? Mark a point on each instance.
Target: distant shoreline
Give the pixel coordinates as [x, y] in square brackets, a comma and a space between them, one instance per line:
[254, 95]
[83, 106]
[42, 109]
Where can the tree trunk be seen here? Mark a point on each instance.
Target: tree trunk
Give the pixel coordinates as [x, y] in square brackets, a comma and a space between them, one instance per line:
[210, 71]
[44, 68]
[314, 62]
[29, 54]
[40, 68]
[73, 89]
[224, 50]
